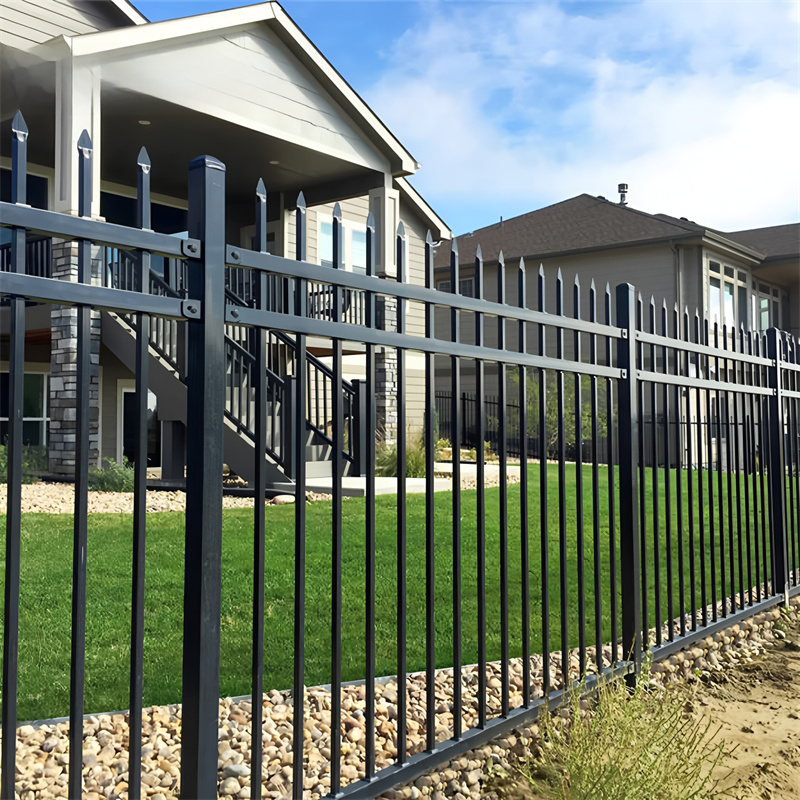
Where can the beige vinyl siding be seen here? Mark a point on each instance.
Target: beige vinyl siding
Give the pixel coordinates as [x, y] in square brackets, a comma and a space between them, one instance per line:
[650, 269]
[250, 78]
[27, 23]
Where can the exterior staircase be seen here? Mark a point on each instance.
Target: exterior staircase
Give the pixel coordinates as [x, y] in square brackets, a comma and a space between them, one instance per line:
[167, 371]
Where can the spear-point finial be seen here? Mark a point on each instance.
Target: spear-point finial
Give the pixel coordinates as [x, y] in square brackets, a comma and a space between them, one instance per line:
[85, 144]
[577, 281]
[19, 127]
[143, 160]
[591, 286]
[261, 190]
[371, 222]
[541, 270]
[401, 229]
[522, 264]
[429, 238]
[478, 252]
[454, 247]
[301, 201]
[337, 212]
[559, 276]
[501, 258]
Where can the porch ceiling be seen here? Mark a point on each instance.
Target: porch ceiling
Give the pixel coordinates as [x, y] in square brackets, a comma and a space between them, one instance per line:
[175, 135]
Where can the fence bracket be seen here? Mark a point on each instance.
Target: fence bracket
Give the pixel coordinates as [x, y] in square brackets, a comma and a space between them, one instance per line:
[191, 248]
[191, 309]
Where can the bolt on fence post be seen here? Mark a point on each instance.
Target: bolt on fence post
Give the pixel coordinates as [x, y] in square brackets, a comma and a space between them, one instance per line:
[777, 470]
[204, 414]
[628, 422]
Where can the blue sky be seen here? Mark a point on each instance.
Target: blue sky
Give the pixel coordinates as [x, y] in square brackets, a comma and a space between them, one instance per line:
[513, 106]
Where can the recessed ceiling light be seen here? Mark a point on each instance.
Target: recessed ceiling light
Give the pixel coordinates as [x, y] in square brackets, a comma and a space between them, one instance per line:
[274, 163]
[144, 121]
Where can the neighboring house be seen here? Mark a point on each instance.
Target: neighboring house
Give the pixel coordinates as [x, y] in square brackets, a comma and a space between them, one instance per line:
[748, 279]
[244, 85]
[745, 278]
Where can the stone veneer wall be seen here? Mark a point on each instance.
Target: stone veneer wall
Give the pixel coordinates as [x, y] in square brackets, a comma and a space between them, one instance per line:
[63, 366]
[386, 387]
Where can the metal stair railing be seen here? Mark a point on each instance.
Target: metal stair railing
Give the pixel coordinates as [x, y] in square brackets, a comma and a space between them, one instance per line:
[281, 361]
[167, 339]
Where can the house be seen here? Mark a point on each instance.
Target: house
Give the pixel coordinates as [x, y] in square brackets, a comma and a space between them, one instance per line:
[747, 279]
[244, 85]
[743, 279]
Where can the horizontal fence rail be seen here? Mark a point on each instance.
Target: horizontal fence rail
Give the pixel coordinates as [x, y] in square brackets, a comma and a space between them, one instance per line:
[635, 485]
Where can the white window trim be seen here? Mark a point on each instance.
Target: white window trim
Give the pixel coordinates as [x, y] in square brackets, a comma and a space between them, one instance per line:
[34, 369]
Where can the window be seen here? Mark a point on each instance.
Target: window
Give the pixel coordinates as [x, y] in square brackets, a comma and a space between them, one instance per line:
[767, 305]
[728, 291]
[35, 409]
[465, 287]
[354, 246]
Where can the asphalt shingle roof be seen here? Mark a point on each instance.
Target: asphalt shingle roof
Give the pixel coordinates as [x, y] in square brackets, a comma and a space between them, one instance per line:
[587, 223]
[779, 241]
[582, 222]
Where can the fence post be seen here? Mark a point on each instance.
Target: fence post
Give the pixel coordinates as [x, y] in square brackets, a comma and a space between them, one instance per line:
[777, 470]
[287, 426]
[358, 428]
[204, 440]
[628, 426]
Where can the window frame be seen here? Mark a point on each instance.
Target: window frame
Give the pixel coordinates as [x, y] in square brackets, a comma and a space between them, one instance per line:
[43, 421]
[349, 227]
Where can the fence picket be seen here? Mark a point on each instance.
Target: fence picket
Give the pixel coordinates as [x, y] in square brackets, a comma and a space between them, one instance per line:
[732, 440]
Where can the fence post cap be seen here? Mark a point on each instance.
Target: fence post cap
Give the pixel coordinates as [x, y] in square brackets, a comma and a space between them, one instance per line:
[206, 162]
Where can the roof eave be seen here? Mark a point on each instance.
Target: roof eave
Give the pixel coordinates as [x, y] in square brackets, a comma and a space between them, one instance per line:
[426, 212]
[403, 163]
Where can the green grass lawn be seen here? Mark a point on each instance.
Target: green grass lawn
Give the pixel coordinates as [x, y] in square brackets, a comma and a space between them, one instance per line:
[46, 591]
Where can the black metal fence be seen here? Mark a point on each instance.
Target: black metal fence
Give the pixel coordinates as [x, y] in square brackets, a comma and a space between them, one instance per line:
[609, 556]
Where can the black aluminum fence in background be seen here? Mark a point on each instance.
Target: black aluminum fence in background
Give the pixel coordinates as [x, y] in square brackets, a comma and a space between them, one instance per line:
[597, 556]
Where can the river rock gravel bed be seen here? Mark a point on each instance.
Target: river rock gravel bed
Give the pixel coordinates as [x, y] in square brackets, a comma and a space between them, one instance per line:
[43, 753]
[59, 498]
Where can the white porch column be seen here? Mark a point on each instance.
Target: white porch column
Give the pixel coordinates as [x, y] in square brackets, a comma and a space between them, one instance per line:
[384, 203]
[77, 108]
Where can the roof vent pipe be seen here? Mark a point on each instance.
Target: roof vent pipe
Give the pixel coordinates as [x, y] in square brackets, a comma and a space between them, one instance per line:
[623, 194]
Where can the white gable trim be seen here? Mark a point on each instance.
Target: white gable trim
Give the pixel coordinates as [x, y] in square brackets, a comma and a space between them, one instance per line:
[86, 45]
[133, 14]
[411, 195]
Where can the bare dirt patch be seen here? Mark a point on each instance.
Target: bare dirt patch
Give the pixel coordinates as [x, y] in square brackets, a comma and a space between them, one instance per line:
[756, 706]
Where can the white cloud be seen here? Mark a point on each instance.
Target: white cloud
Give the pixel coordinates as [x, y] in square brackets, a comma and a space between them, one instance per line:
[513, 106]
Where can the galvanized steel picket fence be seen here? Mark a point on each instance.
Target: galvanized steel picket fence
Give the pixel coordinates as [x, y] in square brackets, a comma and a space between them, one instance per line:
[719, 409]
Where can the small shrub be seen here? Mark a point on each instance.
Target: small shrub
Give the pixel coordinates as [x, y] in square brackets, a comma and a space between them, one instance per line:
[441, 446]
[638, 744]
[112, 477]
[34, 463]
[386, 460]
